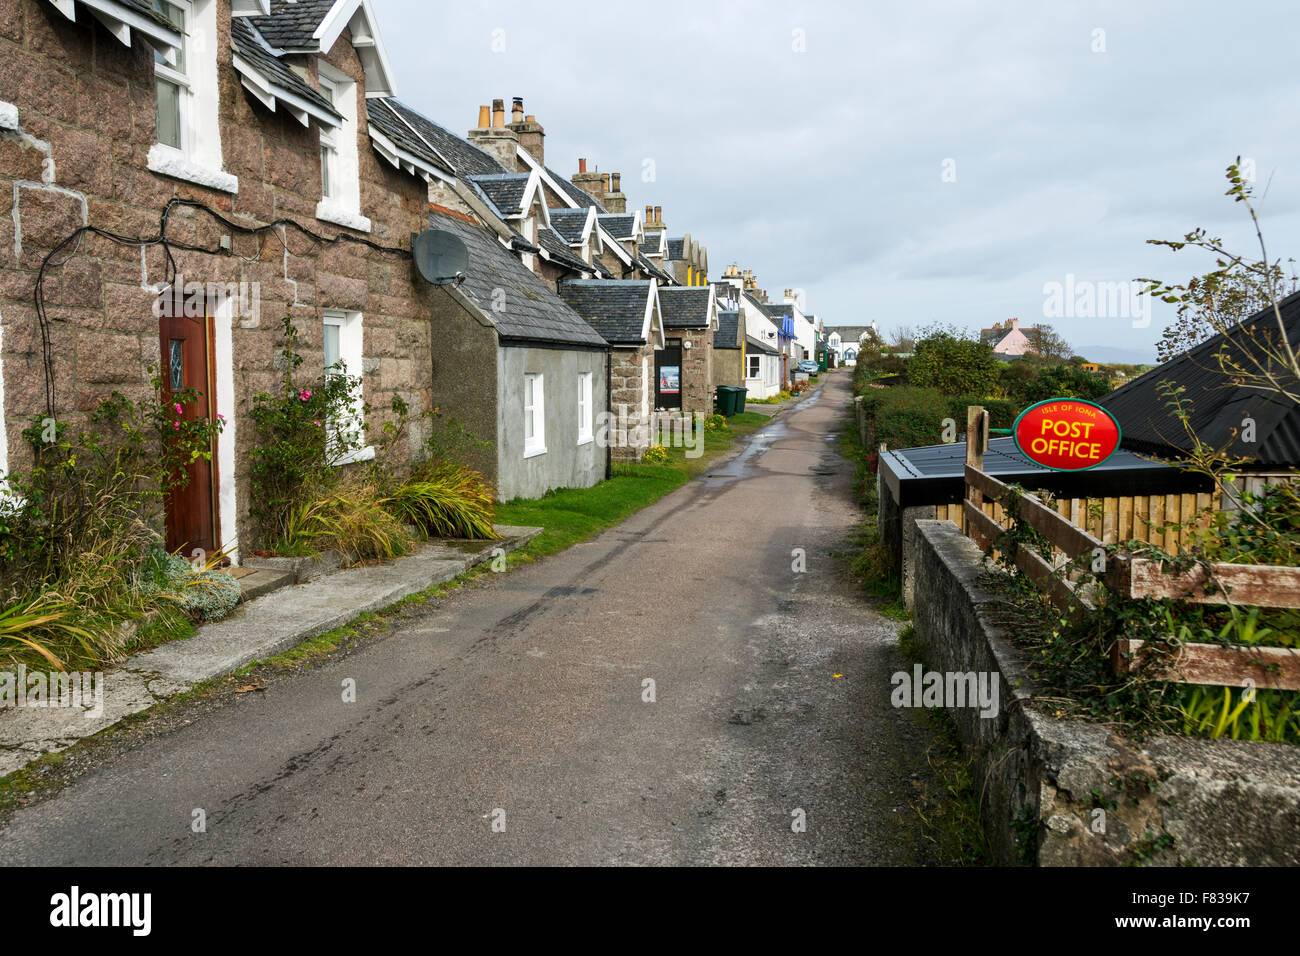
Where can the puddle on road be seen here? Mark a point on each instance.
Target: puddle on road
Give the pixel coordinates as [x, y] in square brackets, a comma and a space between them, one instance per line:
[744, 465]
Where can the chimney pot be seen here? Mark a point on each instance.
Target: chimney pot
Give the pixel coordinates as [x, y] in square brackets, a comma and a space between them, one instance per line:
[616, 177]
[582, 165]
[604, 181]
[659, 213]
[517, 110]
[498, 112]
[484, 116]
[649, 213]
[530, 118]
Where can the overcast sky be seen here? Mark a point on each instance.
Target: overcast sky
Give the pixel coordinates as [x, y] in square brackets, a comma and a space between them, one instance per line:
[907, 162]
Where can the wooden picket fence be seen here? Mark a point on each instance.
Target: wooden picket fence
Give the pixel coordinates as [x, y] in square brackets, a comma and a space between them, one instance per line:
[1247, 585]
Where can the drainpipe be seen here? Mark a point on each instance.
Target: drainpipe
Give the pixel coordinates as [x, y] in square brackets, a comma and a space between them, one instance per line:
[609, 410]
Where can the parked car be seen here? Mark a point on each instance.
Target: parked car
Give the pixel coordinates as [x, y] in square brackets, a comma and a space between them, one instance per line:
[809, 366]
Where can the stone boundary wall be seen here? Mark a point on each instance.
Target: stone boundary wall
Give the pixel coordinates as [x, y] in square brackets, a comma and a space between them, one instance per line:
[1071, 793]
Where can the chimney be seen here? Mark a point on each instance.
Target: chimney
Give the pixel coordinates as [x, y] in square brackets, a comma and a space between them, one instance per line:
[497, 140]
[484, 116]
[649, 213]
[589, 181]
[659, 215]
[615, 200]
[1015, 323]
[531, 135]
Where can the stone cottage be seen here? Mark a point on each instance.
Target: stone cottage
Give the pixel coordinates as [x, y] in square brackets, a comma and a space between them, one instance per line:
[223, 145]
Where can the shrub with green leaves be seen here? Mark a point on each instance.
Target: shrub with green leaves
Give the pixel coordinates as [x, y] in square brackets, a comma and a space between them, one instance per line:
[301, 433]
[203, 594]
[956, 365]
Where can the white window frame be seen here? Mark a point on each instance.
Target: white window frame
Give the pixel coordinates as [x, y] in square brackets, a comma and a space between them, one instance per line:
[351, 338]
[329, 146]
[757, 366]
[586, 420]
[534, 391]
[342, 205]
[198, 158]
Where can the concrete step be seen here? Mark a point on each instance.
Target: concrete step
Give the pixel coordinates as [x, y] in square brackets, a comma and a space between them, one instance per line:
[255, 582]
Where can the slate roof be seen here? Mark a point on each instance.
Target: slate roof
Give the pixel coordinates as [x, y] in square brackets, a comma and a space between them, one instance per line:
[645, 265]
[291, 24]
[466, 158]
[618, 225]
[382, 114]
[728, 327]
[569, 222]
[778, 311]
[579, 197]
[684, 307]
[532, 313]
[651, 246]
[675, 248]
[1217, 406]
[504, 190]
[245, 41]
[614, 308]
[848, 333]
[560, 252]
[754, 345]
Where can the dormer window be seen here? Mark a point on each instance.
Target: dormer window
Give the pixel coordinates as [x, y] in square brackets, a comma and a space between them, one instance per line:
[189, 137]
[172, 84]
[340, 175]
[329, 148]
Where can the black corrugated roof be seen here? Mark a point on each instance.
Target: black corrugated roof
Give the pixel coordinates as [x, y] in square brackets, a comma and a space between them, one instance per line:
[754, 345]
[616, 309]
[527, 310]
[1218, 408]
[936, 474]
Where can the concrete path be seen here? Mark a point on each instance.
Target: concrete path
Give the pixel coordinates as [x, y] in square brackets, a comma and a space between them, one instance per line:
[510, 723]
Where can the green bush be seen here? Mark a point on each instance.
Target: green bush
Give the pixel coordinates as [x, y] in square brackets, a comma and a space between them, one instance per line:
[1026, 383]
[301, 433]
[204, 594]
[905, 417]
[1002, 411]
[953, 364]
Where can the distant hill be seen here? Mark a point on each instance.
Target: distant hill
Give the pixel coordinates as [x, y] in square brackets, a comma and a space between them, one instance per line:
[1117, 356]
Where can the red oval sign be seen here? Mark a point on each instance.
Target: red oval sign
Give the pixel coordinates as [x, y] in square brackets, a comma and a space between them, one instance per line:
[1067, 434]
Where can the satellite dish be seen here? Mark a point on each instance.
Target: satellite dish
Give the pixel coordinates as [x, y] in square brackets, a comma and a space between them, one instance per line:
[440, 257]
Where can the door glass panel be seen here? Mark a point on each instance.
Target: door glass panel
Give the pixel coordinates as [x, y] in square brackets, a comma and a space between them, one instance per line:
[176, 362]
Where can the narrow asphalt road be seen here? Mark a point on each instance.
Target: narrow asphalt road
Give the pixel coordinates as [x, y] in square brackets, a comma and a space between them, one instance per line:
[521, 704]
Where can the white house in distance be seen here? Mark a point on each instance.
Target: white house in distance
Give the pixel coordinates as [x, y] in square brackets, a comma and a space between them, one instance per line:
[845, 341]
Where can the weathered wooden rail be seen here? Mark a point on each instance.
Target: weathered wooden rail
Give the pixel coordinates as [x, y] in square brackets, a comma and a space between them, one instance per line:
[1135, 577]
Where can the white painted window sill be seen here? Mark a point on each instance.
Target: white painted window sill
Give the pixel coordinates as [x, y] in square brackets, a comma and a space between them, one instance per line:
[534, 452]
[585, 440]
[171, 162]
[330, 211]
[361, 454]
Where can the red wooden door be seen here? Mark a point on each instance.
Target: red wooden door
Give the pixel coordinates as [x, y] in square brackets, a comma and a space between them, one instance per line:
[186, 363]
